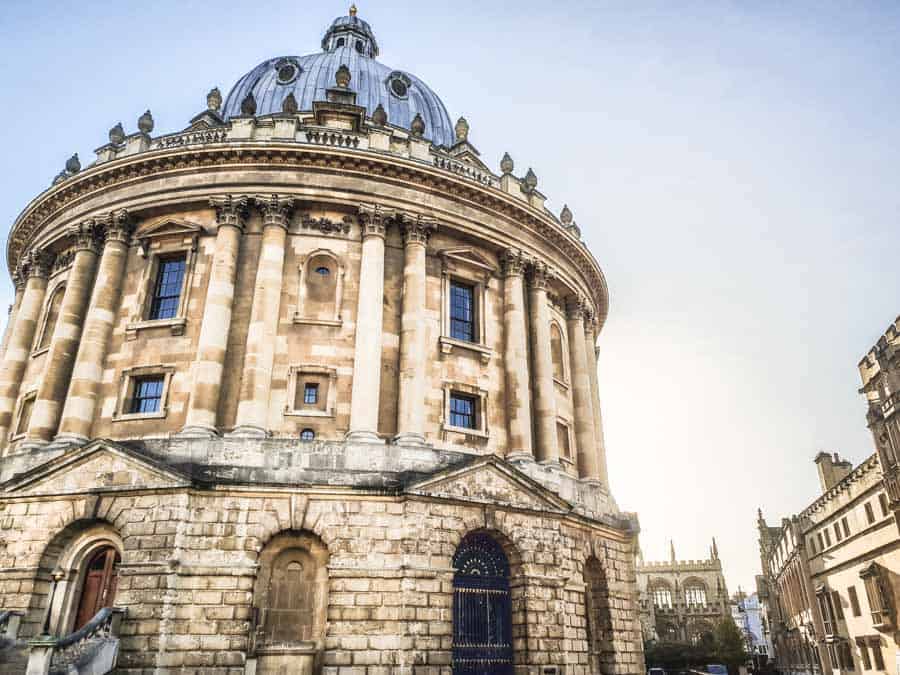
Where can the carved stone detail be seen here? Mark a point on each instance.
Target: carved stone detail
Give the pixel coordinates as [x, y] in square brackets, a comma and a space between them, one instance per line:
[374, 219]
[230, 210]
[326, 225]
[416, 228]
[119, 226]
[87, 235]
[513, 262]
[576, 307]
[539, 274]
[37, 263]
[276, 209]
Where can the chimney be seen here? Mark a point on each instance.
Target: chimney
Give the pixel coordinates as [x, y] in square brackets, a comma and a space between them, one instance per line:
[832, 469]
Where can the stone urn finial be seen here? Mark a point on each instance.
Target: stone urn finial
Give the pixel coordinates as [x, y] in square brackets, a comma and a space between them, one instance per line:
[117, 134]
[565, 216]
[73, 164]
[214, 99]
[379, 117]
[462, 130]
[342, 76]
[506, 164]
[248, 105]
[289, 105]
[530, 181]
[145, 123]
[418, 126]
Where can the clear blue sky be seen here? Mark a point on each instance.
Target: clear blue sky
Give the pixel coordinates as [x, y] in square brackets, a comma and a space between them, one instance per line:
[733, 167]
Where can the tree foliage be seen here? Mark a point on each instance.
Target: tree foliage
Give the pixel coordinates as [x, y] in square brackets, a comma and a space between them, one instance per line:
[725, 646]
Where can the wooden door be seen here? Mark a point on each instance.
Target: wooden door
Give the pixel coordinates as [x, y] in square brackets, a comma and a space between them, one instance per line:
[98, 589]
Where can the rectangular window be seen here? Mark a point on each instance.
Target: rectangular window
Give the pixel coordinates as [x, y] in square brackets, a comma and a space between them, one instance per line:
[463, 411]
[825, 609]
[854, 601]
[462, 312]
[827, 538]
[812, 544]
[837, 532]
[167, 288]
[25, 414]
[875, 646]
[870, 514]
[821, 541]
[838, 607]
[864, 653]
[562, 438]
[878, 595]
[310, 393]
[846, 656]
[846, 526]
[883, 503]
[147, 396]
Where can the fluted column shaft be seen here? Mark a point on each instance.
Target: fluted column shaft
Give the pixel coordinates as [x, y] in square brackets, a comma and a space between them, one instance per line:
[591, 353]
[36, 269]
[515, 357]
[542, 362]
[13, 311]
[209, 365]
[411, 404]
[582, 397]
[259, 357]
[51, 396]
[87, 374]
[369, 320]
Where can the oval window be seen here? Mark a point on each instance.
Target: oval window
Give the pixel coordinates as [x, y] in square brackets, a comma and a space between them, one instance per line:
[286, 71]
[324, 271]
[398, 84]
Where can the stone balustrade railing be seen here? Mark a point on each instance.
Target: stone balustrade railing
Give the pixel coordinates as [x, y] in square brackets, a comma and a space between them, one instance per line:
[93, 648]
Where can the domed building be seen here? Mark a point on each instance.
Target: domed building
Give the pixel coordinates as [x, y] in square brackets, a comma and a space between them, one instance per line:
[307, 387]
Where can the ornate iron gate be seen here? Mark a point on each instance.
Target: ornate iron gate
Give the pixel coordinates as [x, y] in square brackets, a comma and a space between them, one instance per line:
[482, 612]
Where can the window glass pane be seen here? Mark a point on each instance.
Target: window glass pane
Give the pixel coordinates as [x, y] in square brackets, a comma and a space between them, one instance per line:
[462, 411]
[462, 312]
[147, 397]
[167, 290]
[307, 435]
[310, 393]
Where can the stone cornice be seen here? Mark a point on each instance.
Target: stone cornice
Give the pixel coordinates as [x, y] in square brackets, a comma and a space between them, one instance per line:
[278, 156]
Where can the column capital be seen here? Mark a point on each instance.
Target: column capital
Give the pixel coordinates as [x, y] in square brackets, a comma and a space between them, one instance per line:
[18, 278]
[373, 220]
[416, 228]
[539, 275]
[119, 226]
[87, 235]
[36, 263]
[276, 209]
[577, 308]
[513, 262]
[230, 210]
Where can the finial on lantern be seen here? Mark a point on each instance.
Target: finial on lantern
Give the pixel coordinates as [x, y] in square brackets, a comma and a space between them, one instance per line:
[353, 9]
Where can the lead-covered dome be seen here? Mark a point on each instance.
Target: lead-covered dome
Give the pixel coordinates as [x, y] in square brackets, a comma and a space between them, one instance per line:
[349, 41]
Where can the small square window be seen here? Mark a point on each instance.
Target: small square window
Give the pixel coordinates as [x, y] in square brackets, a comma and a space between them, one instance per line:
[307, 435]
[147, 395]
[311, 393]
[462, 312]
[463, 411]
[167, 288]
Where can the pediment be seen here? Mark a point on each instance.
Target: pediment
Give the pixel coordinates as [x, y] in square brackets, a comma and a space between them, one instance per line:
[170, 227]
[467, 256]
[490, 480]
[100, 465]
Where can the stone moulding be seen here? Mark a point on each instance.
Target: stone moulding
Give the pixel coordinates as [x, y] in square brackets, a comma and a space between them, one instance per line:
[55, 200]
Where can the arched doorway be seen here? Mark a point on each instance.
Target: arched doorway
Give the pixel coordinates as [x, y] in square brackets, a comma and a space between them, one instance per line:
[482, 611]
[98, 588]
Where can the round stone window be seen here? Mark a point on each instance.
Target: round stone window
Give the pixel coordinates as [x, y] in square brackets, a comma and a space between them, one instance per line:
[398, 84]
[286, 71]
[307, 435]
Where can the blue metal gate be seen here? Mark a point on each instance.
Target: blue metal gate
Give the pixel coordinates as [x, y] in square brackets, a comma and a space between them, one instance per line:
[482, 612]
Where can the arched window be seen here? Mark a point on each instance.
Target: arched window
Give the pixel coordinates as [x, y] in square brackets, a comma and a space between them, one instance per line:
[321, 288]
[291, 600]
[694, 595]
[482, 610]
[599, 618]
[556, 351]
[51, 316]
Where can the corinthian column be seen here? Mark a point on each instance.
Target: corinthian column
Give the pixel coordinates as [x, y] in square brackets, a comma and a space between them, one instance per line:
[256, 379]
[369, 319]
[81, 402]
[19, 285]
[515, 357]
[206, 374]
[600, 445]
[35, 267]
[542, 367]
[581, 390]
[411, 408]
[51, 394]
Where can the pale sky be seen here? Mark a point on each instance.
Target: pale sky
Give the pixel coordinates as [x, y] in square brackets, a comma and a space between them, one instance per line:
[732, 166]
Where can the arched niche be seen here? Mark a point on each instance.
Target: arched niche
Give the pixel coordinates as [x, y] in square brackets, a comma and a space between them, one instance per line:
[50, 317]
[601, 651]
[77, 576]
[321, 289]
[290, 602]
[558, 351]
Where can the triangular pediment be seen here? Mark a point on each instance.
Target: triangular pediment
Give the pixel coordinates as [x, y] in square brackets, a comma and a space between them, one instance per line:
[467, 256]
[489, 479]
[98, 466]
[169, 227]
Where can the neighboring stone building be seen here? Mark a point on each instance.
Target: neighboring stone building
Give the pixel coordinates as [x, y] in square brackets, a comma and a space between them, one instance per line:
[749, 617]
[830, 572]
[307, 386]
[682, 600]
